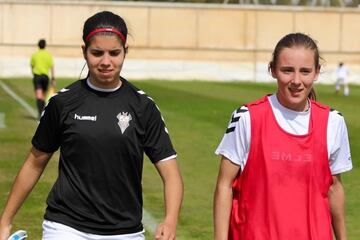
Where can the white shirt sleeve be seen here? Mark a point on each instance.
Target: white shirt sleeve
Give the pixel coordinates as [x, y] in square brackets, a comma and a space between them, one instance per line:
[235, 144]
[236, 141]
[338, 144]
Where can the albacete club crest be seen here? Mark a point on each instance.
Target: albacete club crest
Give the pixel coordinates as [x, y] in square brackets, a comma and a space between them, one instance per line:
[124, 119]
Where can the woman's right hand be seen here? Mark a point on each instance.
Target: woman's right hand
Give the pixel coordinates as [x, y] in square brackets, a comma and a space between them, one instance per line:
[5, 230]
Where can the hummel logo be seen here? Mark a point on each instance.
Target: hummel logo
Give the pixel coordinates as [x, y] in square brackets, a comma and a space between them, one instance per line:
[85, 118]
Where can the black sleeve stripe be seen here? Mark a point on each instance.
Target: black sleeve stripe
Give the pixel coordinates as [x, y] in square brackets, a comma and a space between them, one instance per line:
[235, 119]
[241, 110]
[229, 130]
[334, 110]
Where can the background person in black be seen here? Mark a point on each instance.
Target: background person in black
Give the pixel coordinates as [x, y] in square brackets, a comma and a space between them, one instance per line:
[102, 125]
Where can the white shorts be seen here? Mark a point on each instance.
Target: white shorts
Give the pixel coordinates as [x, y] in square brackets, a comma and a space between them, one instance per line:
[58, 231]
[341, 81]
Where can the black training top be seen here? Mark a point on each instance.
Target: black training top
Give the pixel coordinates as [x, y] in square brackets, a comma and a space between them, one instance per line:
[102, 137]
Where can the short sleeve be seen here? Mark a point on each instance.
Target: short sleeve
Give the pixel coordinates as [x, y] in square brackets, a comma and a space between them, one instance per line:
[338, 144]
[157, 143]
[47, 136]
[235, 143]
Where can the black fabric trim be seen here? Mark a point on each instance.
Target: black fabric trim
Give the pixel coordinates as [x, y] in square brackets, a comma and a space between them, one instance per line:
[332, 109]
[239, 110]
[235, 119]
[229, 130]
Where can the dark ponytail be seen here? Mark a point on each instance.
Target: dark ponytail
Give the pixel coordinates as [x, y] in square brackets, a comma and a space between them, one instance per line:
[312, 94]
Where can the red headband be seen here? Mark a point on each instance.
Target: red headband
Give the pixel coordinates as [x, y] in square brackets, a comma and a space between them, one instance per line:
[113, 30]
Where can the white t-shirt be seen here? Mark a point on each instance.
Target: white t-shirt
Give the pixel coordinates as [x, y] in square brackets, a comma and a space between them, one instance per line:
[235, 144]
[342, 72]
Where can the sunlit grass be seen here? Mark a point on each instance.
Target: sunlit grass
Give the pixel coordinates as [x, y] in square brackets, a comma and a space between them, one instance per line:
[196, 114]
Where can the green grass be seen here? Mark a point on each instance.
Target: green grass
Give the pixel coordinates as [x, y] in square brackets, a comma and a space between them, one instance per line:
[196, 114]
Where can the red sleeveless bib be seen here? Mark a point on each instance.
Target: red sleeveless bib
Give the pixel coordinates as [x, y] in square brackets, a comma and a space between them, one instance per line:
[282, 192]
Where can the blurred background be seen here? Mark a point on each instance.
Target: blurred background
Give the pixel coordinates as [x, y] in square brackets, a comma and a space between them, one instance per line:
[213, 39]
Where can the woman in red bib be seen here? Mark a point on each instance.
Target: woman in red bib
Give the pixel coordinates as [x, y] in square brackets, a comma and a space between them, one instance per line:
[282, 157]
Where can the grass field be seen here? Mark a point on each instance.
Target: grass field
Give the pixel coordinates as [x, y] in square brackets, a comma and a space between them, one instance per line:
[196, 115]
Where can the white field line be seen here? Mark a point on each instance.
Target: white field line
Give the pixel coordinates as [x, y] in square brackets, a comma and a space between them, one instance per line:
[149, 221]
[24, 104]
[2, 120]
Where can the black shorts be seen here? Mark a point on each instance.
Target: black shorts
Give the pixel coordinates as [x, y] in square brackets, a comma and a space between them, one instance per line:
[41, 82]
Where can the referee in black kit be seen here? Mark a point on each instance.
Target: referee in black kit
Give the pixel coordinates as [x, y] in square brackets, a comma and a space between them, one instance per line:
[103, 125]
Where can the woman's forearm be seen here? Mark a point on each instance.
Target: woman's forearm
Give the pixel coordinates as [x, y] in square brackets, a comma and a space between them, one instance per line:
[24, 182]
